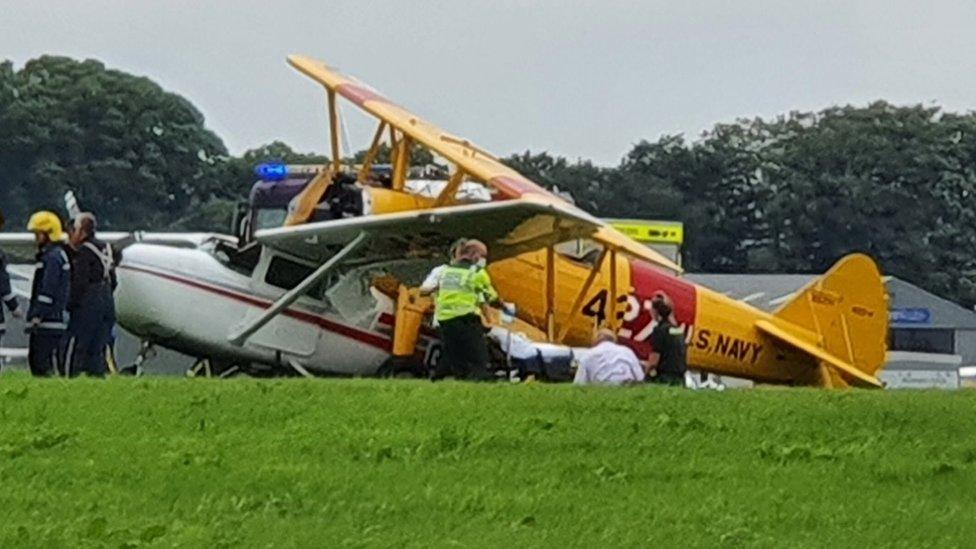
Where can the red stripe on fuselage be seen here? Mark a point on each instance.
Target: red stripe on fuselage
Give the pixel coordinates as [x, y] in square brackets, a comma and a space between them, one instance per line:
[329, 325]
[647, 280]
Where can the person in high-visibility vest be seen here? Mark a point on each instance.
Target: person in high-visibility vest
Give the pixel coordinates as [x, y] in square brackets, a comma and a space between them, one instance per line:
[462, 288]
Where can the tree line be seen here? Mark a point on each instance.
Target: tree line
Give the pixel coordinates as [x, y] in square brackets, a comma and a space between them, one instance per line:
[789, 194]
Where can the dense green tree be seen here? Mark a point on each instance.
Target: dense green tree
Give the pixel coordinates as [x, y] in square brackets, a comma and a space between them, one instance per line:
[419, 156]
[139, 153]
[796, 193]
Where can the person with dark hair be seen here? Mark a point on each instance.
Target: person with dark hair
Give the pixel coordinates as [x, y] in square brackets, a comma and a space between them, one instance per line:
[6, 292]
[667, 362]
[92, 306]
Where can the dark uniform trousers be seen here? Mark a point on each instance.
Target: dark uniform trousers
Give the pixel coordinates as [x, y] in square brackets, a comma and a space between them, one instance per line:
[92, 309]
[49, 297]
[464, 349]
[44, 352]
[90, 332]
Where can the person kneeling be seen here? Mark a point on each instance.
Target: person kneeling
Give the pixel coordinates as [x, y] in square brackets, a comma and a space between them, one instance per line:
[608, 363]
[667, 363]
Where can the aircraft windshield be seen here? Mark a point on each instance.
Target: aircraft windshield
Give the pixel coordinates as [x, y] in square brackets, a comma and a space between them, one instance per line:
[582, 250]
[269, 219]
[242, 260]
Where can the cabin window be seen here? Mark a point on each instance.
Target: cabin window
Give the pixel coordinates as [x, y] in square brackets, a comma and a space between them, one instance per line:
[285, 273]
[923, 340]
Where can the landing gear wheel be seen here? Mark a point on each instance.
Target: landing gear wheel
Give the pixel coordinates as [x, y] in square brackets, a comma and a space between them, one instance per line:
[401, 368]
[146, 350]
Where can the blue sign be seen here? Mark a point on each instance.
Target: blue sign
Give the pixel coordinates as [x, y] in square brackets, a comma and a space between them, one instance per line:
[910, 315]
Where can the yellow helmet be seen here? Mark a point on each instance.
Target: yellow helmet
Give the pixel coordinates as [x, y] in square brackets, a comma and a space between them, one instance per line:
[47, 223]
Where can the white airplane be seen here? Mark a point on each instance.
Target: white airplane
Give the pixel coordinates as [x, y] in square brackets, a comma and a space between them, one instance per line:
[298, 299]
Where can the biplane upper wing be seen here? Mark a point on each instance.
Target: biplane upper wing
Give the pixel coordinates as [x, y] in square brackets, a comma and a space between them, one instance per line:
[473, 160]
[508, 228]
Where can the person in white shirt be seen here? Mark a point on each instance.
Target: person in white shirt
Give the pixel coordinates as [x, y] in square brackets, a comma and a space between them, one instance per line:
[608, 363]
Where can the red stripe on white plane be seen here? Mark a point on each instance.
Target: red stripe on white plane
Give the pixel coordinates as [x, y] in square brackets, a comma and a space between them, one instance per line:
[345, 330]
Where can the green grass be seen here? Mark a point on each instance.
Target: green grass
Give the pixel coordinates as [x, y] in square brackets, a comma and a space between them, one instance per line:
[332, 463]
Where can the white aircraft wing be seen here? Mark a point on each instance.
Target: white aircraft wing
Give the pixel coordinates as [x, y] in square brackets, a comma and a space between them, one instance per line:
[21, 279]
[12, 353]
[20, 247]
[509, 228]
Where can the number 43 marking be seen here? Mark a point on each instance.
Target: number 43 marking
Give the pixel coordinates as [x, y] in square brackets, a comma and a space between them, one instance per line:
[597, 307]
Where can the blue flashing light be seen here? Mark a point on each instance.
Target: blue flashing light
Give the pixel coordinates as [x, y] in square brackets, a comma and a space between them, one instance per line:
[271, 171]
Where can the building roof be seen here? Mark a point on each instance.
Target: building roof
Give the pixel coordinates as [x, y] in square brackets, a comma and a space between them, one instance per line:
[769, 291]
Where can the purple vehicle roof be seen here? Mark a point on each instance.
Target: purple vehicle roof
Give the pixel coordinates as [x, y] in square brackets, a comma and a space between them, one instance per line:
[267, 195]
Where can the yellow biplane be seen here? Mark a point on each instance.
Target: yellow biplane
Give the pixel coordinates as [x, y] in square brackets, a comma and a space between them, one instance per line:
[332, 289]
[833, 332]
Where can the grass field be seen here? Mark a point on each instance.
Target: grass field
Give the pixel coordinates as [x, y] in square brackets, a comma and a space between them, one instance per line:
[360, 463]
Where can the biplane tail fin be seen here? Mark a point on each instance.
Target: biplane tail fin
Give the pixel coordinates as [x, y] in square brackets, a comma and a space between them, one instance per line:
[840, 320]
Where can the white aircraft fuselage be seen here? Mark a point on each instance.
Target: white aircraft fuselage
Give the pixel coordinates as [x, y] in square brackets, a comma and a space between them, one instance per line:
[192, 300]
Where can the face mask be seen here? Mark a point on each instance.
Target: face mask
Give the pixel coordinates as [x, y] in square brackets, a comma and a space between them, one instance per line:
[481, 262]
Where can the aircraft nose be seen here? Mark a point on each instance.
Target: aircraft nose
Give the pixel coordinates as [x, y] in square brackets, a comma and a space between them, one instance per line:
[143, 301]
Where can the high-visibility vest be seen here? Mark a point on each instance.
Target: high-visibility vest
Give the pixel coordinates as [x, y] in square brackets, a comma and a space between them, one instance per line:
[461, 290]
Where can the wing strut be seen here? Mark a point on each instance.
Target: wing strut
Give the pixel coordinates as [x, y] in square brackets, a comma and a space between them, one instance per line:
[613, 291]
[550, 294]
[374, 149]
[284, 301]
[595, 270]
[334, 130]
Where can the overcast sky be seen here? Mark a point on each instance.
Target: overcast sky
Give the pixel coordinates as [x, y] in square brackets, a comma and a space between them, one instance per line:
[582, 79]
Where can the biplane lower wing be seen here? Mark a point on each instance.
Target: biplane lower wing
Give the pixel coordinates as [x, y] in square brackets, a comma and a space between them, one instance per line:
[508, 227]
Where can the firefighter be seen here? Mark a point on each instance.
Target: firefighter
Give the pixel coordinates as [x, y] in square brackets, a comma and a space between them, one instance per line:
[47, 316]
[462, 288]
[91, 306]
[6, 292]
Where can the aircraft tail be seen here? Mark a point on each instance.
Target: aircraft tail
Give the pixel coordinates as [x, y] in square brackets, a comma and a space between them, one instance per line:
[841, 321]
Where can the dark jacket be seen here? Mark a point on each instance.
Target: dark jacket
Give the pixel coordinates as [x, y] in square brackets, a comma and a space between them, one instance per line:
[92, 270]
[668, 341]
[51, 289]
[6, 292]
